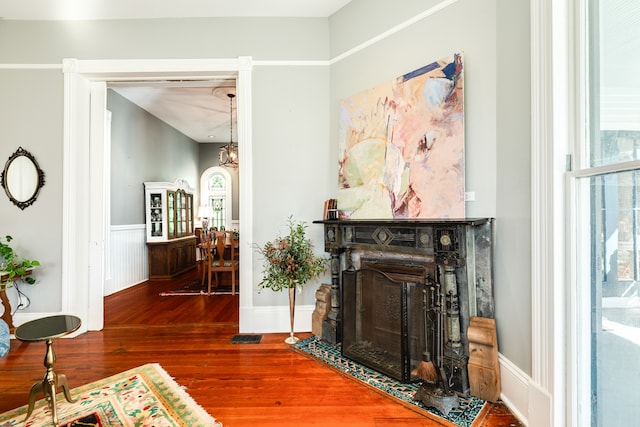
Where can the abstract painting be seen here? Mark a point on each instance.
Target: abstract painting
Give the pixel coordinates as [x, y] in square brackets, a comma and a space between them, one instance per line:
[401, 146]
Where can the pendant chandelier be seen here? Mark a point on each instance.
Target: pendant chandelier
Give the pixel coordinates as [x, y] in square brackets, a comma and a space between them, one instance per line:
[228, 155]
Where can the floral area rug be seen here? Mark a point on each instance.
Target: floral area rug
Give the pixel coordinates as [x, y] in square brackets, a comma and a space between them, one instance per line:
[143, 396]
[463, 416]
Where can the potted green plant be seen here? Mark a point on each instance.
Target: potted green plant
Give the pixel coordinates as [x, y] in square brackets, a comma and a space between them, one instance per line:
[12, 268]
[289, 263]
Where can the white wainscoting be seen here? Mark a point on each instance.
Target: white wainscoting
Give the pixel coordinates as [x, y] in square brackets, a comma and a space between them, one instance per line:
[128, 261]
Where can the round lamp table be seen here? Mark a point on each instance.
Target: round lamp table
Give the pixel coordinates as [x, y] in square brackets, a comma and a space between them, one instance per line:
[47, 329]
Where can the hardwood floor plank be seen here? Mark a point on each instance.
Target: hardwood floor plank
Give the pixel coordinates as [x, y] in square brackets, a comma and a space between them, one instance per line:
[264, 384]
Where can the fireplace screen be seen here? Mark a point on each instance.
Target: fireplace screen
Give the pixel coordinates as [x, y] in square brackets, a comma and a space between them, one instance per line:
[384, 323]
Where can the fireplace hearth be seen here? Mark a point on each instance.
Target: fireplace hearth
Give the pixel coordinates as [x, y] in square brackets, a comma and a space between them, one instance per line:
[383, 292]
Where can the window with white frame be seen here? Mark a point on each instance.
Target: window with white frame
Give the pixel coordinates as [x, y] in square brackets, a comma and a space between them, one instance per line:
[607, 190]
[216, 192]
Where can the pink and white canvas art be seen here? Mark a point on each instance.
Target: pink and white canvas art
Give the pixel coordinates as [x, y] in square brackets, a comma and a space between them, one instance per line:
[401, 146]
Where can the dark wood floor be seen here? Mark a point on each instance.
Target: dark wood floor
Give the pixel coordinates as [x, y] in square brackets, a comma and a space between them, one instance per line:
[264, 384]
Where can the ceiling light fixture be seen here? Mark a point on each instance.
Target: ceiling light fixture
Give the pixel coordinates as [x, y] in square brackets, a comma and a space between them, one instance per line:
[228, 155]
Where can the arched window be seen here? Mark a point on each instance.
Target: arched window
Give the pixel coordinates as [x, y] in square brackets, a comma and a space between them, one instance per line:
[216, 192]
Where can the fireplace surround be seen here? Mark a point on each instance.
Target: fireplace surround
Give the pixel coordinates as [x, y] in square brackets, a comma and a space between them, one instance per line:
[383, 276]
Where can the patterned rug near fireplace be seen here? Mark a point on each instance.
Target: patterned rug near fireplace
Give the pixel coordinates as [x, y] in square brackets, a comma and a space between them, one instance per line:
[463, 416]
[143, 396]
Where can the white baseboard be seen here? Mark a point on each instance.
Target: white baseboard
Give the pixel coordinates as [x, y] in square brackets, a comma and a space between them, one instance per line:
[272, 319]
[515, 389]
[540, 404]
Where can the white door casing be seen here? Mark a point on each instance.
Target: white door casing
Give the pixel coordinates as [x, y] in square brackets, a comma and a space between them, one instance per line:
[85, 198]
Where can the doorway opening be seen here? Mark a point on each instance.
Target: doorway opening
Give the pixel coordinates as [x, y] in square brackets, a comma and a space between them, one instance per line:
[85, 224]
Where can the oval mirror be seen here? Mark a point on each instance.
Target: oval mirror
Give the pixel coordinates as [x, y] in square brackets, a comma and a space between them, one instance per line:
[22, 178]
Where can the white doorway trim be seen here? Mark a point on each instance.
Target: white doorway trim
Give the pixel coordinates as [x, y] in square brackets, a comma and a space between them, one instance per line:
[86, 169]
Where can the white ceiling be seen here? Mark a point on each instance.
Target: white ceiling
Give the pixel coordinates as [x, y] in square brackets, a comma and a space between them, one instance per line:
[199, 110]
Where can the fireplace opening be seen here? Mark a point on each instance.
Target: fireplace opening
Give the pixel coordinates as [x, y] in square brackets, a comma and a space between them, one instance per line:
[384, 323]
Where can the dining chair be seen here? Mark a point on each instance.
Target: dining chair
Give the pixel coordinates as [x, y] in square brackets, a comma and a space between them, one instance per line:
[222, 256]
[201, 249]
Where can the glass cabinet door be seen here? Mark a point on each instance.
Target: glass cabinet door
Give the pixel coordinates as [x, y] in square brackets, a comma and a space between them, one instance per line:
[189, 214]
[179, 212]
[171, 213]
[156, 219]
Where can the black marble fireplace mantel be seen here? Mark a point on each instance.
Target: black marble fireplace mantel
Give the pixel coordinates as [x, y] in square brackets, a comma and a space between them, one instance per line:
[465, 245]
[461, 250]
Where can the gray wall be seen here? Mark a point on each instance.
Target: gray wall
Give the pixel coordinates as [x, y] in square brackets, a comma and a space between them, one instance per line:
[144, 148]
[23, 42]
[291, 158]
[295, 117]
[513, 194]
[493, 36]
[31, 105]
